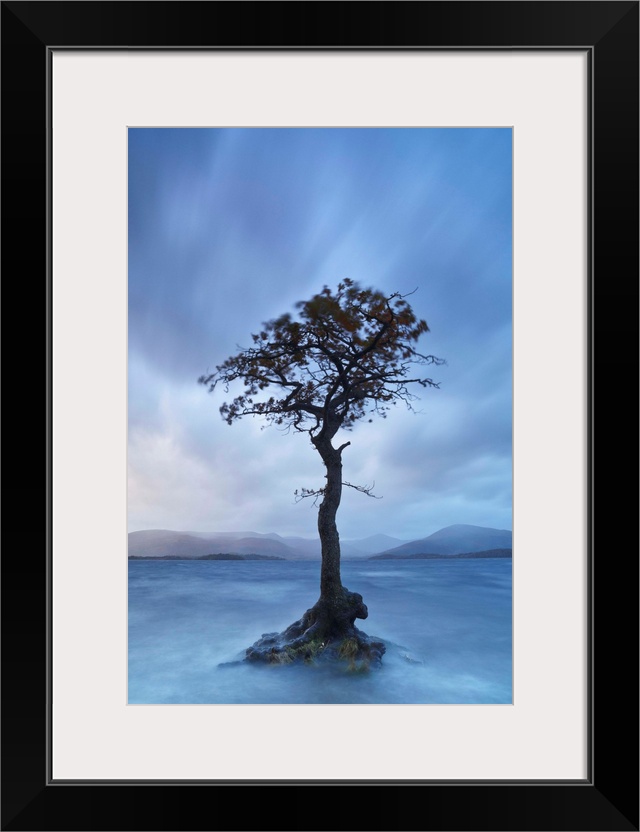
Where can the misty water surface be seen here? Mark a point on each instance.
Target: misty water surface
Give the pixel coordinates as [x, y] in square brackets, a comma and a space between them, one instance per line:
[446, 624]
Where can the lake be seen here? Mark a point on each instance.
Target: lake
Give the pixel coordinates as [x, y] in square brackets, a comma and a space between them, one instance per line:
[446, 625]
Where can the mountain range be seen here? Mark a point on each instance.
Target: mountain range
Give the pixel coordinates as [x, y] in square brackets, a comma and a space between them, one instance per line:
[455, 540]
[451, 540]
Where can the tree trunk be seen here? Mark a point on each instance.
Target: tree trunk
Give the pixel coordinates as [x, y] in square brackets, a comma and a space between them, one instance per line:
[327, 629]
[331, 588]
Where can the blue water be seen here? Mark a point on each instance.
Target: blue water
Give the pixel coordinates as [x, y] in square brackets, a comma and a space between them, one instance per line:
[446, 624]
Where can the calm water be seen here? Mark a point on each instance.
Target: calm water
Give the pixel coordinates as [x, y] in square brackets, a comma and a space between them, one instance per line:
[446, 624]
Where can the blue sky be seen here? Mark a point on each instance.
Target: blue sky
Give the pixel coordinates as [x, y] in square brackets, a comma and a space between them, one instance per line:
[231, 227]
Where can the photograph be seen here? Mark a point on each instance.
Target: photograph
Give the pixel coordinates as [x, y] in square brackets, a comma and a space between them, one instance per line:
[319, 454]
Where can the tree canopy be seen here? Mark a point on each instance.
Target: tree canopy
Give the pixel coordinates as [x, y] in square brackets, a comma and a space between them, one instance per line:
[349, 355]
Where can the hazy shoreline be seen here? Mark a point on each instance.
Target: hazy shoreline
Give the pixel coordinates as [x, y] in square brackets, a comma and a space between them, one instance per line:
[231, 556]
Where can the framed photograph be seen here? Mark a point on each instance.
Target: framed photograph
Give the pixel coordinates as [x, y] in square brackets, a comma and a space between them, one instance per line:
[193, 172]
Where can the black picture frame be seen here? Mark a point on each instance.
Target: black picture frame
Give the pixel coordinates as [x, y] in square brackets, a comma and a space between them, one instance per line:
[608, 798]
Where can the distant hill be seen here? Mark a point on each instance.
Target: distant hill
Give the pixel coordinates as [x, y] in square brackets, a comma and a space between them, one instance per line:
[221, 556]
[489, 553]
[455, 540]
[158, 543]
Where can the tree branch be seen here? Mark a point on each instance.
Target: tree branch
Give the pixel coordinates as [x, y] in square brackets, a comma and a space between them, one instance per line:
[364, 489]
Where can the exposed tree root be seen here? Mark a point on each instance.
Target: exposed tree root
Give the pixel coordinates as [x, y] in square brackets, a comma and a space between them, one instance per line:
[326, 632]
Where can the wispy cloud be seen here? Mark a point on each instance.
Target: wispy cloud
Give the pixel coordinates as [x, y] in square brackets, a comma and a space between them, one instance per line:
[228, 228]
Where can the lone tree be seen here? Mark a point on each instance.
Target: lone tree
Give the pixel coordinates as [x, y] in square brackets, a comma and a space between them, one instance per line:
[349, 356]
